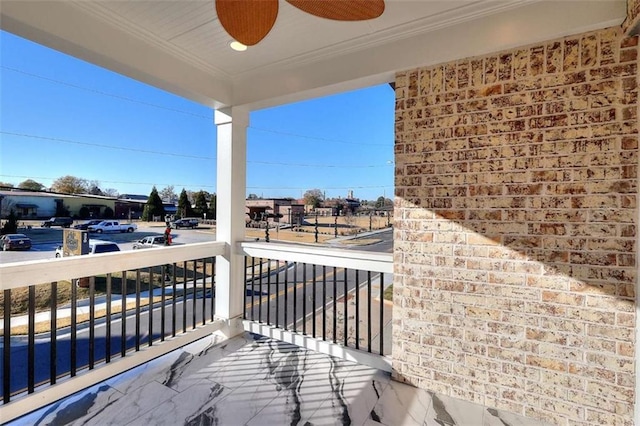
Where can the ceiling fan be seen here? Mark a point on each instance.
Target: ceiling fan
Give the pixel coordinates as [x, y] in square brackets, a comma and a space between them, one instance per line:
[249, 21]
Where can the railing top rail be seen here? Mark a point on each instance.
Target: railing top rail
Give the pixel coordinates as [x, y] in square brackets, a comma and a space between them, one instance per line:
[353, 259]
[23, 274]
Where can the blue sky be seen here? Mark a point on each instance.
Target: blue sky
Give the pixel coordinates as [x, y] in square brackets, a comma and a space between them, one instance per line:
[62, 116]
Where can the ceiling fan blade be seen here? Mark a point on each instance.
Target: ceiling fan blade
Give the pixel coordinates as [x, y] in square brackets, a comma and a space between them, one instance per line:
[341, 10]
[247, 21]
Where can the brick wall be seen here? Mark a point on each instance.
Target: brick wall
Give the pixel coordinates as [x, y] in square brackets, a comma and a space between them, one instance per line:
[516, 221]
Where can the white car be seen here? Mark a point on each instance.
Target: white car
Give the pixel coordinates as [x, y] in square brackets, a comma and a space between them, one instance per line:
[95, 247]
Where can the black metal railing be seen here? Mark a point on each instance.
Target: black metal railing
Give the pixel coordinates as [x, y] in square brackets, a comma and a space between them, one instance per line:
[69, 326]
[328, 303]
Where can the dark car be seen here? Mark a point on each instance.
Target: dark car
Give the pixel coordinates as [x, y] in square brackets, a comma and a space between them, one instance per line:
[65, 222]
[185, 223]
[15, 242]
[86, 225]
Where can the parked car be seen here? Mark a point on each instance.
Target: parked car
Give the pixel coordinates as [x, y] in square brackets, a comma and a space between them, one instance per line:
[185, 223]
[15, 242]
[112, 226]
[95, 247]
[148, 242]
[65, 222]
[86, 225]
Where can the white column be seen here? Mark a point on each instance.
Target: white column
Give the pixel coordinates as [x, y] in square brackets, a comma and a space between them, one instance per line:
[230, 224]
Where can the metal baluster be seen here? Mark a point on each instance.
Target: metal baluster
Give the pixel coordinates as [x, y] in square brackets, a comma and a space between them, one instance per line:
[92, 322]
[295, 296]
[123, 315]
[184, 296]
[194, 299]
[150, 306]
[381, 313]
[277, 295]
[260, 305]
[107, 343]
[6, 352]
[204, 291]
[173, 300]
[357, 318]
[286, 293]
[304, 298]
[345, 307]
[313, 302]
[324, 302]
[53, 353]
[335, 303]
[31, 368]
[137, 309]
[368, 311]
[268, 291]
[253, 290]
[163, 299]
[74, 340]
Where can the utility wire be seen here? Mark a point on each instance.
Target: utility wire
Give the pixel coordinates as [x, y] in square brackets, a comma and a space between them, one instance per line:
[329, 166]
[97, 145]
[292, 188]
[278, 132]
[149, 104]
[111, 95]
[197, 157]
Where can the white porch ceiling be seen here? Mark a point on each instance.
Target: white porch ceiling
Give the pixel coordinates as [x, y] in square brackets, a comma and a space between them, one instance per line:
[179, 45]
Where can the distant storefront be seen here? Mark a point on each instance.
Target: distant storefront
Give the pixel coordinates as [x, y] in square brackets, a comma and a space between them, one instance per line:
[42, 205]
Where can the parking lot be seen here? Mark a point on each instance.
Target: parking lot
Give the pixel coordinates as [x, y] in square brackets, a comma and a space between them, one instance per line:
[45, 240]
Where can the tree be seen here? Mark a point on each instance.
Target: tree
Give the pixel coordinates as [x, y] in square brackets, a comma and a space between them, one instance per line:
[70, 185]
[252, 197]
[6, 185]
[201, 203]
[93, 188]
[153, 207]
[110, 192]
[313, 197]
[211, 214]
[11, 225]
[380, 202]
[31, 185]
[184, 205]
[168, 194]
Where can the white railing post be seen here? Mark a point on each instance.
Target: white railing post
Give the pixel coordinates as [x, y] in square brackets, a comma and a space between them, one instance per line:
[230, 210]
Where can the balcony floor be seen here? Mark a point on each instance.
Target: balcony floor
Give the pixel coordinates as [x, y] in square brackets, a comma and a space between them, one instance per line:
[253, 380]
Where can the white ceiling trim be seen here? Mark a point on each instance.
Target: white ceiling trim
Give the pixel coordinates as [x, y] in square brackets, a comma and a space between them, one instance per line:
[534, 23]
[111, 18]
[401, 32]
[64, 27]
[102, 37]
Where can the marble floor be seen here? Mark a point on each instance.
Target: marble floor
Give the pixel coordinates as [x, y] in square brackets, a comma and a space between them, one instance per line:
[253, 380]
